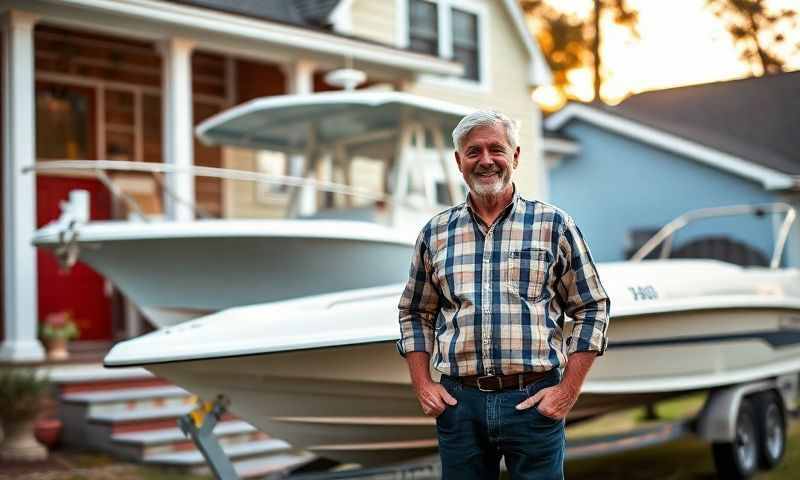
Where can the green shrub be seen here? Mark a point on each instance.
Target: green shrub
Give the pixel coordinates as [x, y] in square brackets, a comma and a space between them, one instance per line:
[21, 392]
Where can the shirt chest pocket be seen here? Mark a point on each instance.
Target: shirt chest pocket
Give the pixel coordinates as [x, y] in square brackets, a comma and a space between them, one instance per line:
[527, 272]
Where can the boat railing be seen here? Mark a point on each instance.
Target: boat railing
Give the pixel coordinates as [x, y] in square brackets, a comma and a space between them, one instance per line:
[100, 169]
[665, 236]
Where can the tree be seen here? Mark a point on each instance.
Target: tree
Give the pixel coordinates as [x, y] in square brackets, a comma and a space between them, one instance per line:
[758, 31]
[570, 42]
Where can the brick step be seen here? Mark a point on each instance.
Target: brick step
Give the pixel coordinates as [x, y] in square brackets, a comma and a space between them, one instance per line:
[142, 444]
[278, 464]
[132, 414]
[96, 402]
[142, 418]
[82, 377]
[249, 459]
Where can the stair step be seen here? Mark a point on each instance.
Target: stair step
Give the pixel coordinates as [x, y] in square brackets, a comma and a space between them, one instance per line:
[143, 445]
[141, 415]
[123, 394]
[263, 466]
[96, 403]
[133, 415]
[83, 377]
[195, 458]
[144, 420]
[167, 435]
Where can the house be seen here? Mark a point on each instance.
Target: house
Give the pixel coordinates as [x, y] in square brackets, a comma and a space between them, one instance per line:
[129, 79]
[623, 171]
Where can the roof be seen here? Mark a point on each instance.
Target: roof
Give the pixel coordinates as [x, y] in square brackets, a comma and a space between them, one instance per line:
[306, 13]
[753, 120]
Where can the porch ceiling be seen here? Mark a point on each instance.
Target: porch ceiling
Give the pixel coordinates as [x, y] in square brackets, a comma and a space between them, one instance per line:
[229, 33]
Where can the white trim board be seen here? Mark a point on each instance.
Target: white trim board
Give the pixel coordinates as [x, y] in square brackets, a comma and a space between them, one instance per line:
[771, 179]
[237, 26]
[538, 71]
[342, 17]
[560, 146]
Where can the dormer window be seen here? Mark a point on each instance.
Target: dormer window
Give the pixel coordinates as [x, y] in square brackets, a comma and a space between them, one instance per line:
[449, 29]
[423, 21]
[465, 42]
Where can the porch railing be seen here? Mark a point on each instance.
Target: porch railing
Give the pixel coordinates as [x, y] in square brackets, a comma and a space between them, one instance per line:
[100, 168]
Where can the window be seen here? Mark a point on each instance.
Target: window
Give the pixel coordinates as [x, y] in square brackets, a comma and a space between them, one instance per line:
[449, 29]
[465, 42]
[423, 22]
[64, 122]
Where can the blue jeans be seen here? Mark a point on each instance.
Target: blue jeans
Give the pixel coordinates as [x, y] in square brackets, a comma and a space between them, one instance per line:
[485, 426]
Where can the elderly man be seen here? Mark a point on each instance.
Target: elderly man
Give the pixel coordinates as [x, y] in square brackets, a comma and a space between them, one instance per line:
[490, 284]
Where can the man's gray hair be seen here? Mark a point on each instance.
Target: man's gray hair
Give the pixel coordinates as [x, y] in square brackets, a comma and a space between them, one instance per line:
[485, 118]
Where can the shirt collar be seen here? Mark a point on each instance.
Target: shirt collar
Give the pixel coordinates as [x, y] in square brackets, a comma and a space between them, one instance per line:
[470, 208]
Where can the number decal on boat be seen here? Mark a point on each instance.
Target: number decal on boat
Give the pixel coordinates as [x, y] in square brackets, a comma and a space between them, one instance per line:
[646, 292]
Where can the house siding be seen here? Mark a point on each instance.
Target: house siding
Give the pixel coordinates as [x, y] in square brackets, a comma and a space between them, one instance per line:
[617, 184]
[374, 20]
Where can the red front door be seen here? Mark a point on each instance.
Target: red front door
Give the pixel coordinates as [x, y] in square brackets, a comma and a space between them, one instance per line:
[65, 129]
[80, 290]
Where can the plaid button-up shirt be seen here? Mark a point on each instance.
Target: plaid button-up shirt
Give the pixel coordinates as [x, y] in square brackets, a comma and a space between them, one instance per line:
[491, 300]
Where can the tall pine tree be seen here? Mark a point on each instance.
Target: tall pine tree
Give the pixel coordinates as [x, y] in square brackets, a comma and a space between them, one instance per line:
[570, 42]
[759, 32]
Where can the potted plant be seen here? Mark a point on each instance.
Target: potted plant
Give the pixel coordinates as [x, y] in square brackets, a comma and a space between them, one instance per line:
[58, 328]
[21, 394]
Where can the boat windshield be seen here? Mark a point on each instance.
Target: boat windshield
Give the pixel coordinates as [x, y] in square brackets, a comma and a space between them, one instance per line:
[664, 237]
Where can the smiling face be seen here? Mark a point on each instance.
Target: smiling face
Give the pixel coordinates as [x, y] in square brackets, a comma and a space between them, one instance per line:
[486, 159]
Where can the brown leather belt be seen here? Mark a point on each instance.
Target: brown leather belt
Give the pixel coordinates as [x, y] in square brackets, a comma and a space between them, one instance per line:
[496, 383]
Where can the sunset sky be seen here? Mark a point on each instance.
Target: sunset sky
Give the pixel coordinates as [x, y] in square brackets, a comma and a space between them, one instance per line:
[681, 43]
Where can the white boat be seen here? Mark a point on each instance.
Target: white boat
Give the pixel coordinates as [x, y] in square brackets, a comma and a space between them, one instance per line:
[324, 374]
[174, 271]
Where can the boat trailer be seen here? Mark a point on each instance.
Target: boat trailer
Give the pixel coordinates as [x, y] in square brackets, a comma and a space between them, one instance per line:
[199, 426]
[746, 425]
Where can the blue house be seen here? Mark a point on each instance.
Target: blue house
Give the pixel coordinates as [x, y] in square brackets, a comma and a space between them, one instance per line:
[624, 171]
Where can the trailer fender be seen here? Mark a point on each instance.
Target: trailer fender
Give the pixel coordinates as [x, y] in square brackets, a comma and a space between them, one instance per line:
[717, 420]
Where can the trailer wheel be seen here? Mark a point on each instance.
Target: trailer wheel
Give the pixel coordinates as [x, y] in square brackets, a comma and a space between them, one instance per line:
[771, 423]
[739, 459]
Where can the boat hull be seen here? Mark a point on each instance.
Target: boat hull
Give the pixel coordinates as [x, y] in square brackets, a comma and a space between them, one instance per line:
[341, 402]
[185, 273]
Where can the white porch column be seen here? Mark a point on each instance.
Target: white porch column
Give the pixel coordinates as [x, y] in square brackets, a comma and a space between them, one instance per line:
[177, 125]
[20, 316]
[300, 76]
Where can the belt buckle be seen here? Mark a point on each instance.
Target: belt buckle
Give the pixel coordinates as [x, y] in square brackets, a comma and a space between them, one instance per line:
[486, 389]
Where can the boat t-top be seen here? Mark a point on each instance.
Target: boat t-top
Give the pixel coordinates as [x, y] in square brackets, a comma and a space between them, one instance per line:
[332, 237]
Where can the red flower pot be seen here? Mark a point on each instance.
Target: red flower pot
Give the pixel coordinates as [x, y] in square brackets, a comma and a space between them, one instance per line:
[48, 431]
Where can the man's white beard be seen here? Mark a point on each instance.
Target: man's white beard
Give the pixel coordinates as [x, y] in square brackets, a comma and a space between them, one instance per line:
[491, 190]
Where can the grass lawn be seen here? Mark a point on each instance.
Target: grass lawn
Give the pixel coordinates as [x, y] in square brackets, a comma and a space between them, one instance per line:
[684, 459]
[71, 465]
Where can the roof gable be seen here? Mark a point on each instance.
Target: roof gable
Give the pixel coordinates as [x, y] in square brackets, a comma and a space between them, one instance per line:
[753, 120]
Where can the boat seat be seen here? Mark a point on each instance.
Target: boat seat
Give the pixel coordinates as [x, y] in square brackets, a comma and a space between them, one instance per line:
[143, 189]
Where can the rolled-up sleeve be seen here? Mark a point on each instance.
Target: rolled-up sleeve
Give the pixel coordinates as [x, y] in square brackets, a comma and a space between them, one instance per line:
[419, 304]
[582, 294]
